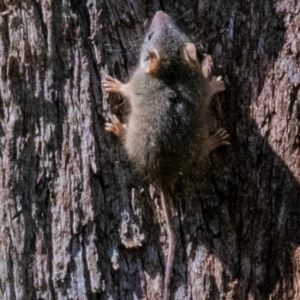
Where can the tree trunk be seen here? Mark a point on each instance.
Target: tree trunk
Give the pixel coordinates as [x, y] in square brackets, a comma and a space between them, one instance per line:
[77, 221]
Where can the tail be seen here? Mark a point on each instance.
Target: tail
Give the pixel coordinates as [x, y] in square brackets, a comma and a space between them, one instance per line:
[171, 223]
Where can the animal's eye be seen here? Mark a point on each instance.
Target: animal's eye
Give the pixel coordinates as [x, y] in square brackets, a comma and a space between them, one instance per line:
[150, 36]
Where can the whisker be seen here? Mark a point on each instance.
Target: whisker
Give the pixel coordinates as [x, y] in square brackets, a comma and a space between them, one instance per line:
[188, 11]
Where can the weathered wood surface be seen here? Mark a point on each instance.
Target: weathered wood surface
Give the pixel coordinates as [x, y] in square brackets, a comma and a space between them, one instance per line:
[78, 223]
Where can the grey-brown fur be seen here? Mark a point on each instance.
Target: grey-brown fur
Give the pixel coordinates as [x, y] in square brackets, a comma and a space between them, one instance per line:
[167, 127]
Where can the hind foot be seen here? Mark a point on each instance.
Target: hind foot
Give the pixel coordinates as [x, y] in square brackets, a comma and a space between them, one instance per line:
[220, 137]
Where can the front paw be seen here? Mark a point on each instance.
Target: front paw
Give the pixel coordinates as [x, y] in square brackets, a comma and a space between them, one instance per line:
[207, 65]
[115, 127]
[216, 85]
[112, 85]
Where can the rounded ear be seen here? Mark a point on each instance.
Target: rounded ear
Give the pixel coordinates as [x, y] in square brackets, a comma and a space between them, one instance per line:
[153, 62]
[190, 52]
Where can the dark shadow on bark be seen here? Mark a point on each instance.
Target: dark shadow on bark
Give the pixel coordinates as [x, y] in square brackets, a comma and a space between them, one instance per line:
[251, 229]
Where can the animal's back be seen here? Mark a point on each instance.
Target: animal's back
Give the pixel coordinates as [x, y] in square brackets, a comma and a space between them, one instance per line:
[159, 138]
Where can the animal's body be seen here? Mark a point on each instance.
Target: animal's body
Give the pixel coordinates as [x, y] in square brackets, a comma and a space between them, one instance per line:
[168, 127]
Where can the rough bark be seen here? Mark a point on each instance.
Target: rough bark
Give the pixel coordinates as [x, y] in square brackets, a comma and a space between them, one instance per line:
[77, 221]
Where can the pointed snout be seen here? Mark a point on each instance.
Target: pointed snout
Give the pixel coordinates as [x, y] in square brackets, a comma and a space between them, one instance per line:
[159, 20]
